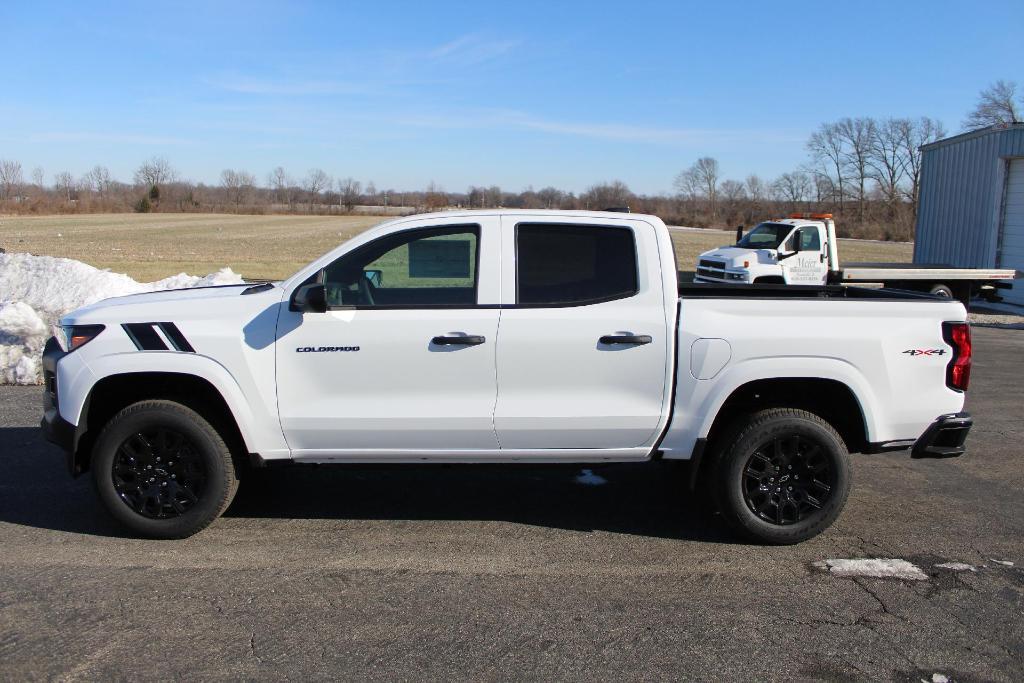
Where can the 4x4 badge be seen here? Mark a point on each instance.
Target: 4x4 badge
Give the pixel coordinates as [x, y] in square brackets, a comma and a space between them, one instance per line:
[925, 352]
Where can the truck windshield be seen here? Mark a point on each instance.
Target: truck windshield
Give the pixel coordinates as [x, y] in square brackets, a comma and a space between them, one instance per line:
[765, 236]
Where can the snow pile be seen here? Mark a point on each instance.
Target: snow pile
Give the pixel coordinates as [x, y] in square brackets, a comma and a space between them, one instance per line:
[36, 290]
[956, 566]
[879, 568]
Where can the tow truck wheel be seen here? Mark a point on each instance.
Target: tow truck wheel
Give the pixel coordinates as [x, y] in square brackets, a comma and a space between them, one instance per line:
[941, 290]
[782, 476]
[162, 470]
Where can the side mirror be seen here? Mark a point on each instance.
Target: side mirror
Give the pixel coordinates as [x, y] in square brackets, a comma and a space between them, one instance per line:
[799, 243]
[311, 298]
[739, 233]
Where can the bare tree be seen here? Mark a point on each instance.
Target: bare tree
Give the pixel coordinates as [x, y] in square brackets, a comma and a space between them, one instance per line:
[826, 148]
[857, 135]
[98, 180]
[65, 184]
[435, 198]
[279, 181]
[550, 197]
[316, 181]
[10, 179]
[493, 196]
[914, 134]
[732, 191]
[886, 160]
[997, 104]
[688, 184]
[793, 188]
[38, 179]
[756, 188]
[706, 171]
[348, 190]
[154, 173]
[607, 195]
[238, 185]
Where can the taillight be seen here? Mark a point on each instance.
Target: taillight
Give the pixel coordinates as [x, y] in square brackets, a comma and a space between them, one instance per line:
[958, 372]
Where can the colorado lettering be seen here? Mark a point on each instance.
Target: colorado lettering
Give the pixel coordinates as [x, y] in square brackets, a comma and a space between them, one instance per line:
[324, 349]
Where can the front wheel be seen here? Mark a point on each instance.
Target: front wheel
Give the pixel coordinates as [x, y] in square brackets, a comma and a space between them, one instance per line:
[782, 476]
[162, 470]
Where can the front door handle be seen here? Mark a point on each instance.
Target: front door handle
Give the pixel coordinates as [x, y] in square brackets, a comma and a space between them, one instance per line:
[626, 339]
[459, 340]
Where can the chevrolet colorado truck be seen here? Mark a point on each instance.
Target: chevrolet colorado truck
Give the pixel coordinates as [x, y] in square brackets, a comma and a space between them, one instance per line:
[505, 337]
[803, 250]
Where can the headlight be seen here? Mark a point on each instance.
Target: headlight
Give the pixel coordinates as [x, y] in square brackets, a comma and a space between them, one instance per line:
[79, 335]
[741, 276]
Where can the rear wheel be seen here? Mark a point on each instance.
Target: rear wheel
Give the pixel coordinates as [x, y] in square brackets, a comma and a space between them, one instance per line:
[941, 290]
[782, 476]
[162, 470]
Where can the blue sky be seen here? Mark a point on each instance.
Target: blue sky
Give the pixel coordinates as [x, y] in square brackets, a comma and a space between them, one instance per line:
[515, 94]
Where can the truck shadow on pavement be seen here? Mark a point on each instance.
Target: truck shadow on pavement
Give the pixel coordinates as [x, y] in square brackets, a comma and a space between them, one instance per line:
[641, 499]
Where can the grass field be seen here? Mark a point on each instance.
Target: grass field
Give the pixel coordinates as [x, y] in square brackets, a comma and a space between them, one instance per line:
[152, 246]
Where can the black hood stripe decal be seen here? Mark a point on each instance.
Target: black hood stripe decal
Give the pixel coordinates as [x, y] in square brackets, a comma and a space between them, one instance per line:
[176, 338]
[146, 338]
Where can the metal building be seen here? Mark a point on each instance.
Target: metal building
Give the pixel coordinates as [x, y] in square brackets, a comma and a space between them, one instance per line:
[971, 207]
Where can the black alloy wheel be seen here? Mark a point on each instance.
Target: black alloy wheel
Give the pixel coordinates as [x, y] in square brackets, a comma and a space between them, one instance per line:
[780, 475]
[787, 478]
[158, 473]
[162, 469]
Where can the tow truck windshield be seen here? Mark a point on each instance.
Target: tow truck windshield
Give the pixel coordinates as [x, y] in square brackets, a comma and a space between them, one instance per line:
[765, 236]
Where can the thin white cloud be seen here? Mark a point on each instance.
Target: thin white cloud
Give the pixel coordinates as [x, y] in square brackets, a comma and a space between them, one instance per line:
[114, 138]
[472, 48]
[253, 86]
[512, 120]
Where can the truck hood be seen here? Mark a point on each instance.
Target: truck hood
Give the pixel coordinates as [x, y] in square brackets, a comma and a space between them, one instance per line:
[195, 300]
[735, 256]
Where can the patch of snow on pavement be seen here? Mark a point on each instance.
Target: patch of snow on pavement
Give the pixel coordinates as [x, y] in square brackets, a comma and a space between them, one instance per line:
[1005, 563]
[957, 566]
[588, 478]
[879, 568]
[37, 290]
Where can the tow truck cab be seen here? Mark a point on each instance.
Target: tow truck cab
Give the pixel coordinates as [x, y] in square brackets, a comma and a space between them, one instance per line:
[799, 250]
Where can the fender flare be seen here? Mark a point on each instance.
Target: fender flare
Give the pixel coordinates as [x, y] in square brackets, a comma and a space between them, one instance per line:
[191, 364]
[792, 367]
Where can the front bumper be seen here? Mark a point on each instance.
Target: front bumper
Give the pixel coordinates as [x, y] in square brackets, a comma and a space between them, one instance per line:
[55, 428]
[944, 438]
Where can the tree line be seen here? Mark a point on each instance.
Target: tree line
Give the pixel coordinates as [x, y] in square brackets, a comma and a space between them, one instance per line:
[867, 171]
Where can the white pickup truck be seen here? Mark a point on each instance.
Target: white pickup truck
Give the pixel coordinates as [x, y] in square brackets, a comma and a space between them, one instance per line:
[504, 337]
[803, 250]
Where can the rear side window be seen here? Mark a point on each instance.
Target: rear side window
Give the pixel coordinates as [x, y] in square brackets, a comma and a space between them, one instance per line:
[567, 265]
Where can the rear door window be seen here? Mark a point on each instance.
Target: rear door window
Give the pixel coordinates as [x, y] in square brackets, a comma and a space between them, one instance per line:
[573, 265]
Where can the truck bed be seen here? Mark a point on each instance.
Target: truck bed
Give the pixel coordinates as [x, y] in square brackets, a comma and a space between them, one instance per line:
[697, 290]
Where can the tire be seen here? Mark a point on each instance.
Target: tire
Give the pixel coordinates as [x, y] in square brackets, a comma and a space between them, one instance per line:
[941, 290]
[757, 470]
[162, 470]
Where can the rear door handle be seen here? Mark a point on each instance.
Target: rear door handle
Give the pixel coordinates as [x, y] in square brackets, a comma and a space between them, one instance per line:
[626, 339]
[459, 340]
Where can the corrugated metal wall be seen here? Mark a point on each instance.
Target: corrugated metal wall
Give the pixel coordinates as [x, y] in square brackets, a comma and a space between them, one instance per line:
[961, 193]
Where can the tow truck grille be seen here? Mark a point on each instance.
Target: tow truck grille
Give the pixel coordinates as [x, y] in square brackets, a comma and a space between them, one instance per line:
[711, 269]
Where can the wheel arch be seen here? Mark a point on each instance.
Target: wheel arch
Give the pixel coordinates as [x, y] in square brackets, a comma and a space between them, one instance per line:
[830, 399]
[112, 393]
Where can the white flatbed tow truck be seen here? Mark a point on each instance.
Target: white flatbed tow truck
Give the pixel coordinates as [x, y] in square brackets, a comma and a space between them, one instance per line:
[803, 250]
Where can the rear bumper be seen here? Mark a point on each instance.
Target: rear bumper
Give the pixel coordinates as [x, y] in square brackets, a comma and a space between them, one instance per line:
[944, 438]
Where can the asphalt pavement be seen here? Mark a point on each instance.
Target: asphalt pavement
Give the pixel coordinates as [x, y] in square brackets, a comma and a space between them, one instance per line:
[461, 572]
